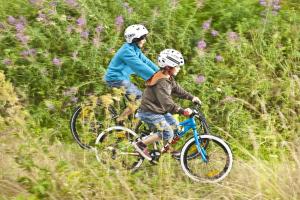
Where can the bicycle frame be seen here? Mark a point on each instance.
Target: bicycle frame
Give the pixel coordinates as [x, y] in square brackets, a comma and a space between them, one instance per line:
[191, 124]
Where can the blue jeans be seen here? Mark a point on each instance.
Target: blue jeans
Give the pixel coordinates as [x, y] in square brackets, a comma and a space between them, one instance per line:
[164, 122]
[130, 88]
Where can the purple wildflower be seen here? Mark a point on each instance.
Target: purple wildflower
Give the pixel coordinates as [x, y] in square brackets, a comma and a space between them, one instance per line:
[22, 38]
[119, 21]
[84, 34]
[56, 61]
[41, 17]
[233, 36]
[11, 20]
[276, 7]
[51, 12]
[201, 45]
[7, 61]
[70, 29]
[96, 41]
[36, 2]
[81, 21]
[206, 24]
[262, 2]
[130, 10]
[53, 3]
[126, 5]
[30, 52]
[72, 3]
[200, 79]
[219, 58]
[214, 33]
[99, 29]
[20, 27]
[22, 20]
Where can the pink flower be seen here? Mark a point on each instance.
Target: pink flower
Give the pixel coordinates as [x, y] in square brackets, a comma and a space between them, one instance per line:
[81, 21]
[233, 36]
[206, 24]
[30, 52]
[20, 27]
[71, 3]
[214, 33]
[70, 29]
[201, 45]
[96, 41]
[200, 79]
[11, 20]
[22, 38]
[56, 62]
[35, 2]
[99, 29]
[7, 61]
[84, 34]
[41, 17]
[119, 21]
[219, 58]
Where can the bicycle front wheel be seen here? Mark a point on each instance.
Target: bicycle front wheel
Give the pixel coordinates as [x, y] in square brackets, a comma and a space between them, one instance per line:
[114, 147]
[219, 159]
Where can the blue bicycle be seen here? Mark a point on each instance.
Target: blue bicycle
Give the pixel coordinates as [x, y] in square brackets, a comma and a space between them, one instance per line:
[203, 157]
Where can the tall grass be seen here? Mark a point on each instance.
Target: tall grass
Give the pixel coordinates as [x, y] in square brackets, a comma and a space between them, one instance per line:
[33, 168]
[242, 60]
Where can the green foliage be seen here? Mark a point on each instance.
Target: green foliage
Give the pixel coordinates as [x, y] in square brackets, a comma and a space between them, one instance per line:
[247, 77]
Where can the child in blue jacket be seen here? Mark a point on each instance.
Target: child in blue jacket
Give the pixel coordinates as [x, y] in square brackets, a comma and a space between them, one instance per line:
[128, 60]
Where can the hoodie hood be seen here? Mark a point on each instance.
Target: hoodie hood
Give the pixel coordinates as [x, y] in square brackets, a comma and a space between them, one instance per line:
[156, 77]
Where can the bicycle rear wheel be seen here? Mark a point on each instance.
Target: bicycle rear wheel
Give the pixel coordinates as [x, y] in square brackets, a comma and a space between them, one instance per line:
[90, 118]
[113, 146]
[85, 125]
[219, 158]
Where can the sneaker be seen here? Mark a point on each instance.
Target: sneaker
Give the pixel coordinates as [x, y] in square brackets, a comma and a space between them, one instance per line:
[141, 148]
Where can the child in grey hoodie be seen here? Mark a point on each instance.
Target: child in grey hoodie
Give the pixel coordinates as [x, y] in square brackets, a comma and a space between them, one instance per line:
[157, 105]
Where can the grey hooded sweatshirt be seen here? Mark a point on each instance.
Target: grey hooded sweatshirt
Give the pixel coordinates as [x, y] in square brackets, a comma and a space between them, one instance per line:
[157, 97]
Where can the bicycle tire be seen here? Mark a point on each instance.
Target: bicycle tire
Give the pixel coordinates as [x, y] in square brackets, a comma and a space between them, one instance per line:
[84, 130]
[114, 146]
[193, 167]
[74, 129]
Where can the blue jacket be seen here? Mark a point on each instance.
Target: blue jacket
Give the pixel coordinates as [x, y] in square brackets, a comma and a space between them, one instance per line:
[128, 60]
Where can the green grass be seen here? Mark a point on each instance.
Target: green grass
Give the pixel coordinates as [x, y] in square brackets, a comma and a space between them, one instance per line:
[251, 98]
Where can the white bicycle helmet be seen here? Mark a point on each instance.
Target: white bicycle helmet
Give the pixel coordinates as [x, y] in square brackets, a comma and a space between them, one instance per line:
[135, 31]
[171, 58]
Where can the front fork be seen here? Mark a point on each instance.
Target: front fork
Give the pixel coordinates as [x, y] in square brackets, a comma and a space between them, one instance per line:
[200, 149]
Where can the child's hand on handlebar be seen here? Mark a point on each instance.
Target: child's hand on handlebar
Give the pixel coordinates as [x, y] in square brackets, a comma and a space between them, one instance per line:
[196, 100]
[187, 112]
